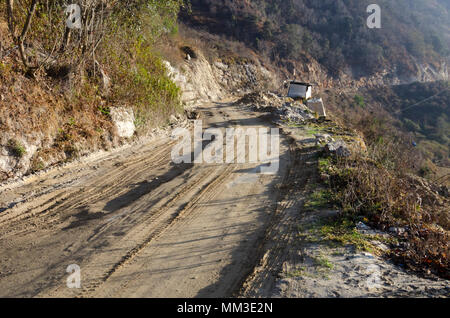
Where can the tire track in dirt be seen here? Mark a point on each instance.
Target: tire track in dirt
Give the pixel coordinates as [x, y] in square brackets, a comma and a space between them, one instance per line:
[125, 284]
[280, 233]
[186, 215]
[206, 191]
[109, 217]
[169, 201]
[183, 214]
[130, 164]
[74, 198]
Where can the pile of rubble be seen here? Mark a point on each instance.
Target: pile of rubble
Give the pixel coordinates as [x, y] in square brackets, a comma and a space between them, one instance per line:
[285, 109]
[338, 148]
[260, 100]
[294, 113]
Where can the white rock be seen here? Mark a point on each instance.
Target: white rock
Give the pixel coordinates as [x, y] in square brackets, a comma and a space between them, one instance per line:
[324, 138]
[339, 148]
[221, 66]
[397, 230]
[123, 118]
[362, 226]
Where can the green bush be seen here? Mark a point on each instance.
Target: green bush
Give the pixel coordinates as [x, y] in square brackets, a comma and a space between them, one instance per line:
[138, 72]
[16, 148]
[359, 100]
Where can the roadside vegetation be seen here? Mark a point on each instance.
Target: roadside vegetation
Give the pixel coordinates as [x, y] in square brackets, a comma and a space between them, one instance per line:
[379, 188]
[111, 56]
[415, 116]
[16, 148]
[61, 83]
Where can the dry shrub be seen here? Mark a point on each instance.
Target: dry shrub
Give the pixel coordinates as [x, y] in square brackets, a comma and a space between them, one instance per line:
[379, 188]
[63, 107]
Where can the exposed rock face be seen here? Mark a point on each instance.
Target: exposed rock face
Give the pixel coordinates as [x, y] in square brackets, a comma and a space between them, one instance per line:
[202, 81]
[429, 73]
[196, 79]
[123, 118]
[312, 71]
[12, 163]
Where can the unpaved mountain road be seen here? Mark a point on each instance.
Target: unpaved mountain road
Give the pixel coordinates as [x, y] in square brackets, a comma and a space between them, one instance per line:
[139, 225]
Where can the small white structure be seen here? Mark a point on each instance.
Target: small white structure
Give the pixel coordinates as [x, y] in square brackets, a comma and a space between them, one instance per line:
[316, 105]
[300, 90]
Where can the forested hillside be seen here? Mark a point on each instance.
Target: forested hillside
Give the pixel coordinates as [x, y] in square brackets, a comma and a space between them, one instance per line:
[334, 32]
[423, 109]
[413, 33]
[416, 115]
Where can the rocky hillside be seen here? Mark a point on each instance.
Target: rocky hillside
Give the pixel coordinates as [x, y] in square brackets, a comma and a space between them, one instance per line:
[141, 79]
[412, 44]
[63, 101]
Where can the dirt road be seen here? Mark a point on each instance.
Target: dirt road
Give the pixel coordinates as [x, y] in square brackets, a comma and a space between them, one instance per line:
[139, 225]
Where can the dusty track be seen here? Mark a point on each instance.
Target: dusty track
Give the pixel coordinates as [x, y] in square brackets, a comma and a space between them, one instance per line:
[138, 225]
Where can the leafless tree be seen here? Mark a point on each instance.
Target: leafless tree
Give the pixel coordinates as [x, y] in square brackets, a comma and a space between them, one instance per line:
[76, 44]
[10, 17]
[25, 29]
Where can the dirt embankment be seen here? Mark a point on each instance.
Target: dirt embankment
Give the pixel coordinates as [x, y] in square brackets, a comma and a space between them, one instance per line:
[42, 123]
[202, 80]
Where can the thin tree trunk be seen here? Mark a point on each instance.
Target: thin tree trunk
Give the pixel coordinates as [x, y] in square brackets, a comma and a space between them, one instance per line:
[25, 29]
[66, 39]
[10, 17]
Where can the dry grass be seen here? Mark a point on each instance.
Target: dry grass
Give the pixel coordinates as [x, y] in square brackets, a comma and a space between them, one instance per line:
[383, 187]
[62, 108]
[378, 188]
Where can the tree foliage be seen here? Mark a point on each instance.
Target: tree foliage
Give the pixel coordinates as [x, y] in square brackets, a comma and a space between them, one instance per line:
[334, 31]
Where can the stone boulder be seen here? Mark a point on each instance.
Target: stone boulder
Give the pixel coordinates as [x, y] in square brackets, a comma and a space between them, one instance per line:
[123, 118]
[338, 148]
